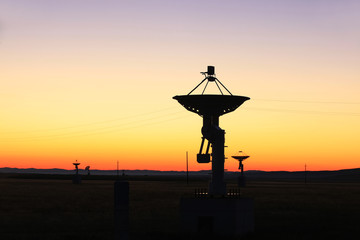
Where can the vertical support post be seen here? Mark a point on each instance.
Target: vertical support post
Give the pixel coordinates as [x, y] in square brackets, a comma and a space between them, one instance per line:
[216, 136]
[217, 185]
[187, 169]
[76, 177]
[117, 169]
[241, 178]
[121, 210]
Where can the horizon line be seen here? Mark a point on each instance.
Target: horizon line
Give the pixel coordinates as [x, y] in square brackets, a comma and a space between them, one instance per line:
[120, 170]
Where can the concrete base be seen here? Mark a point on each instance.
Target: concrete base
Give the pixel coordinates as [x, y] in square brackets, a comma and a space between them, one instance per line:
[222, 216]
[217, 188]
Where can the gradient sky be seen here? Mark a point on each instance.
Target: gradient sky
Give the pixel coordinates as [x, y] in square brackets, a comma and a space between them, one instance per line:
[93, 80]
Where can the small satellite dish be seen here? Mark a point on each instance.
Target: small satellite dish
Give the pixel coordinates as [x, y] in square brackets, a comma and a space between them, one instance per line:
[76, 163]
[87, 168]
[241, 157]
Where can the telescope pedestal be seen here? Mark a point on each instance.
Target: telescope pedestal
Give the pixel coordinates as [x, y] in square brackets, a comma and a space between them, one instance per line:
[77, 177]
[220, 216]
[217, 186]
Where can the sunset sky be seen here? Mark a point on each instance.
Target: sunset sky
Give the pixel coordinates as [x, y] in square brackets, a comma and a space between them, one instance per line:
[93, 80]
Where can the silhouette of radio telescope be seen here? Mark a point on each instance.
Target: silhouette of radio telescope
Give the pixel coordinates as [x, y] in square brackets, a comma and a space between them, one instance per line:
[210, 107]
[241, 158]
[87, 168]
[76, 178]
[217, 211]
[76, 164]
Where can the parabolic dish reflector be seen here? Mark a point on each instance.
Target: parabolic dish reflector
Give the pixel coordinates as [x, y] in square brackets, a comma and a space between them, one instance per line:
[215, 105]
[240, 157]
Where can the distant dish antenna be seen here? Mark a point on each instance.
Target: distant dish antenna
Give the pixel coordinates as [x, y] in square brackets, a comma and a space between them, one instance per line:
[241, 157]
[77, 178]
[76, 164]
[87, 168]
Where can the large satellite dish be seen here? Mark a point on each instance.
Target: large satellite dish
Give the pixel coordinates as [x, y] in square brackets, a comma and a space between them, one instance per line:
[210, 107]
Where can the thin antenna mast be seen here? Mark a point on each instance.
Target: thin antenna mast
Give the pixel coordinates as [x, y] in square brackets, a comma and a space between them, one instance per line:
[187, 169]
[117, 169]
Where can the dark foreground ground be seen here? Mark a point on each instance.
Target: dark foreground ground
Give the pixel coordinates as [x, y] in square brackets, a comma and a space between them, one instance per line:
[57, 209]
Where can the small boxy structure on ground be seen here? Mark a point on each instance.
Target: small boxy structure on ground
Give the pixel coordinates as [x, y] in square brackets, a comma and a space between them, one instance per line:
[121, 209]
[216, 211]
[222, 216]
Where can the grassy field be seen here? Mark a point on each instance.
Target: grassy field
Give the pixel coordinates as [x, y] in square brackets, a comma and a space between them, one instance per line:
[57, 209]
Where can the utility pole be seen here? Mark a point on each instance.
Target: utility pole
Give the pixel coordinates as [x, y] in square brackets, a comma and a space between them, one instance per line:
[117, 169]
[187, 169]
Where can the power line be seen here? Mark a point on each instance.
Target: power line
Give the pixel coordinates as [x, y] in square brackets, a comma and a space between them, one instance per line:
[139, 120]
[96, 123]
[305, 101]
[304, 111]
[104, 130]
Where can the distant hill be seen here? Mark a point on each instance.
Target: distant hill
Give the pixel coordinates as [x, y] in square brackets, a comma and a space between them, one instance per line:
[96, 172]
[338, 175]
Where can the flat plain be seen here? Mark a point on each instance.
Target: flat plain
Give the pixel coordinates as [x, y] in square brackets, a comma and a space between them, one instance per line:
[57, 209]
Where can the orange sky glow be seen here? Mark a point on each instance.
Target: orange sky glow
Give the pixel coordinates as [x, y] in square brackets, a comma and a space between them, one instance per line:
[94, 82]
